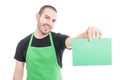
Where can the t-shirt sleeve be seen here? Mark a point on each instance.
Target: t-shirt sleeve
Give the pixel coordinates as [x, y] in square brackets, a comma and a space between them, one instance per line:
[60, 40]
[63, 39]
[59, 43]
[19, 54]
[21, 49]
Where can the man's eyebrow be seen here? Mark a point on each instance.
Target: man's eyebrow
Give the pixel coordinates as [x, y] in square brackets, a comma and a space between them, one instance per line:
[47, 15]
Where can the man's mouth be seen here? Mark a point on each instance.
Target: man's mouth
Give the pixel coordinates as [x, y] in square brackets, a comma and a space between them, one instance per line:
[47, 27]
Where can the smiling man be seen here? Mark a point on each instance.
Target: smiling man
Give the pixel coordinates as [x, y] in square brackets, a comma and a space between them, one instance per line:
[42, 50]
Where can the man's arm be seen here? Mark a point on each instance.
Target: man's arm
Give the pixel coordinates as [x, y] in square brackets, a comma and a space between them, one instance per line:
[91, 32]
[19, 70]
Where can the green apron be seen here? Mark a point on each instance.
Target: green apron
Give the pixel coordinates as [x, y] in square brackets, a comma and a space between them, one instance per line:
[41, 62]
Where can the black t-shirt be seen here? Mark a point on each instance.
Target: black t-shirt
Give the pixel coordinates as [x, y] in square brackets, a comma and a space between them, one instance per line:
[58, 40]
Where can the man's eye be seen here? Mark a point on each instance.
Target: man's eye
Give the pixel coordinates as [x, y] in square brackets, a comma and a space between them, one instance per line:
[54, 21]
[47, 17]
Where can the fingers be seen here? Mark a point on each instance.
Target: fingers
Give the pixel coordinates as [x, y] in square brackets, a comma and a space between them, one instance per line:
[93, 32]
[98, 34]
[89, 33]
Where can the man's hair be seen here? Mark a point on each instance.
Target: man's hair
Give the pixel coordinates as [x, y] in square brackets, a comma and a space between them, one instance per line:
[46, 6]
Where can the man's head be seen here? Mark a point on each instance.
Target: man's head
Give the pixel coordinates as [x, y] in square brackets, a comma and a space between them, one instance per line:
[46, 6]
[46, 19]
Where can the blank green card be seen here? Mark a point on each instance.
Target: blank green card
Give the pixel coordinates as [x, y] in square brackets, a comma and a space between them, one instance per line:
[96, 52]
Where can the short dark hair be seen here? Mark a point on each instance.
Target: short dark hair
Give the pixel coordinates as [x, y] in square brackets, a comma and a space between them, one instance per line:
[46, 6]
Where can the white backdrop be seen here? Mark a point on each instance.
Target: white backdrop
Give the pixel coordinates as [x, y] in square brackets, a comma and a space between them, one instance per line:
[17, 20]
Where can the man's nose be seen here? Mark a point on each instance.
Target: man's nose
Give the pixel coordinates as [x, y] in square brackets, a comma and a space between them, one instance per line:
[50, 22]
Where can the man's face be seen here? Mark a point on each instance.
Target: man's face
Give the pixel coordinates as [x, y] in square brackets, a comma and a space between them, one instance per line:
[47, 20]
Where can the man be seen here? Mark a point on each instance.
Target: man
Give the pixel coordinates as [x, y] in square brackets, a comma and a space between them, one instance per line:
[42, 50]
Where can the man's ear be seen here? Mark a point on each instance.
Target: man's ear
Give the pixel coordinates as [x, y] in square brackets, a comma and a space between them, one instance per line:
[37, 16]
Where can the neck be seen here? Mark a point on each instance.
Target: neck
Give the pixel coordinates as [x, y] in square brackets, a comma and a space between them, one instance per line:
[39, 35]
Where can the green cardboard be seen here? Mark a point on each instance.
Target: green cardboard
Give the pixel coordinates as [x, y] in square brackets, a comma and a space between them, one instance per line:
[95, 52]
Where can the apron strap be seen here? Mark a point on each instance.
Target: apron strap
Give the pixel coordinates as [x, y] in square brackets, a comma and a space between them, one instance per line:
[31, 39]
[51, 40]
[50, 36]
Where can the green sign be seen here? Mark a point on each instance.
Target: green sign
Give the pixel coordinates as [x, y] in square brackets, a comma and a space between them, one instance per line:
[96, 52]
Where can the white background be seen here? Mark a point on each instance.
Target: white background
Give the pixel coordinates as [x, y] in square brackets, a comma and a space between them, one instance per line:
[17, 20]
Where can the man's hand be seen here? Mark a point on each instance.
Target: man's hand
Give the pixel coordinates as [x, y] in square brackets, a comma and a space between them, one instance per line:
[90, 33]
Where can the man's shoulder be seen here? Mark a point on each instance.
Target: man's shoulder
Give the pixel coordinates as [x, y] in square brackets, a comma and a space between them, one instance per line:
[25, 40]
[57, 35]
[54, 34]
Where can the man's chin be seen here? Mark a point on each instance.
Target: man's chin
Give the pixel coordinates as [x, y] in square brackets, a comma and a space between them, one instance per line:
[45, 33]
